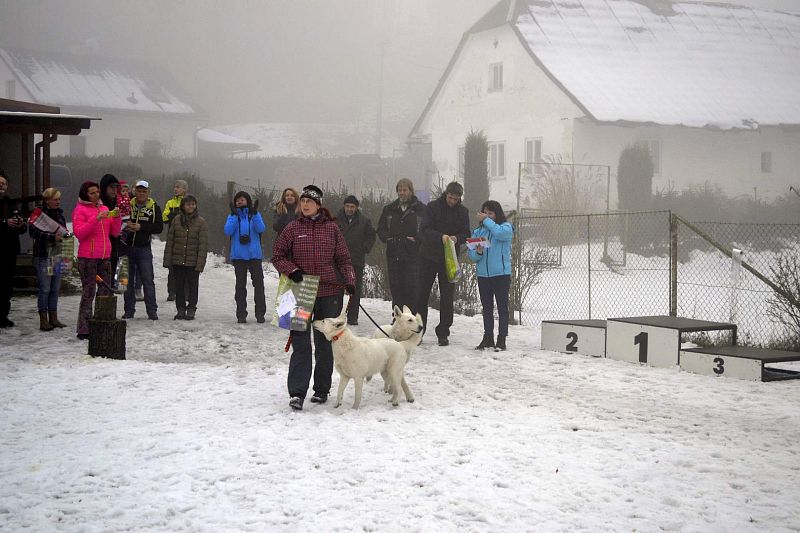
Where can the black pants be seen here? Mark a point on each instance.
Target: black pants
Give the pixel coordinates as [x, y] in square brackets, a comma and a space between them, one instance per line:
[428, 271]
[8, 266]
[187, 281]
[494, 289]
[170, 282]
[300, 361]
[403, 283]
[240, 268]
[355, 299]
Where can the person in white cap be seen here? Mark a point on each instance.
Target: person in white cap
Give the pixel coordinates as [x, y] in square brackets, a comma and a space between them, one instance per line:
[145, 222]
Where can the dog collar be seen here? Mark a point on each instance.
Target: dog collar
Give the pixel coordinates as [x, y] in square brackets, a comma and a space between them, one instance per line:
[336, 337]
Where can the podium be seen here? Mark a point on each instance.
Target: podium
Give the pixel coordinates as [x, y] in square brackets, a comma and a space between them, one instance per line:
[585, 337]
[655, 340]
[739, 362]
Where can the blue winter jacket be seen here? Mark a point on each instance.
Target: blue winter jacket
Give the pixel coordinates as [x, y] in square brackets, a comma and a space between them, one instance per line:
[495, 260]
[244, 224]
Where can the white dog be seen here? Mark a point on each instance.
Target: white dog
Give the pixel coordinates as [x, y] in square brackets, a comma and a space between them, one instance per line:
[407, 326]
[359, 358]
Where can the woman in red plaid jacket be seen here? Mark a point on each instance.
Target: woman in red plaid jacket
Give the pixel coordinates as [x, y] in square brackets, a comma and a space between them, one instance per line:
[314, 244]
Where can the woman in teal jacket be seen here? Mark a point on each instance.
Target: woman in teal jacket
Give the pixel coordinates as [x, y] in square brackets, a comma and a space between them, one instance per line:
[493, 264]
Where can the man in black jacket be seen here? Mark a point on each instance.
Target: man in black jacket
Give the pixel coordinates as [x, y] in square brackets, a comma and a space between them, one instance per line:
[445, 218]
[12, 225]
[398, 227]
[360, 237]
[146, 221]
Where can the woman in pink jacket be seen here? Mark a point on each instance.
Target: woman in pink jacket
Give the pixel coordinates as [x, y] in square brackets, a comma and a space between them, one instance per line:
[92, 224]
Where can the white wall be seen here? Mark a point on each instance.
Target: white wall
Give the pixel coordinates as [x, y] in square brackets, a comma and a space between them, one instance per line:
[529, 106]
[175, 134]
[691, 157]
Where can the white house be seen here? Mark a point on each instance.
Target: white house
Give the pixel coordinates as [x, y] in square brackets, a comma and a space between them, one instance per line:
[713, 89]
[142, 110]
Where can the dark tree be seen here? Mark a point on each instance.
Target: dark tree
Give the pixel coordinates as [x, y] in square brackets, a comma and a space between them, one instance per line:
[476, 171]
[635, 178]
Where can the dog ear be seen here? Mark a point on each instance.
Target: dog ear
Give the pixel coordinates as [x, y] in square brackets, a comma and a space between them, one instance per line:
[419, 318]
[406, 309]
[397, 311]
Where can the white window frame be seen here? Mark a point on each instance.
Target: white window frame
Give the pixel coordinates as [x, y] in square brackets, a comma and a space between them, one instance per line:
[533, 154]
[118, 144]
[656, 149]
[497, 160]
[766, 162]
[495, 77]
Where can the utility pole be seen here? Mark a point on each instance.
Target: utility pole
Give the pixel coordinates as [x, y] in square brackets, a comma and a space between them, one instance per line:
[379, 125]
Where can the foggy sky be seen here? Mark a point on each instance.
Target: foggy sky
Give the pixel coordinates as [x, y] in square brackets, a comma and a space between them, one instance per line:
[271, 60]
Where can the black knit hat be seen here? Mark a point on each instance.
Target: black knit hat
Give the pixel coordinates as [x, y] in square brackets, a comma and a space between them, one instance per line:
[351, 200]
[313, 192]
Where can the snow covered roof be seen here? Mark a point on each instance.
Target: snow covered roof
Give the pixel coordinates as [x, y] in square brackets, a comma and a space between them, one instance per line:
[654, 61]
[213, 136]
[278, 139]
[695, 64]
[96, 82]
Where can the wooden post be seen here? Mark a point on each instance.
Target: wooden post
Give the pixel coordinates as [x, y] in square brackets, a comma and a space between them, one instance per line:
[106, 332]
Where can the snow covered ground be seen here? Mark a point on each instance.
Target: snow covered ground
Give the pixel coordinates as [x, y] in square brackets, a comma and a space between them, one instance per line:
[193, 433]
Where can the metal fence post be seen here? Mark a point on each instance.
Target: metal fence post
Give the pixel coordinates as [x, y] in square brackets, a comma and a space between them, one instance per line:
[589, 260]
[673, 264]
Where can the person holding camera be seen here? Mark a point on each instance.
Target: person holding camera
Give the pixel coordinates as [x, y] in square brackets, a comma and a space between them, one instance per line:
[313, 244]
[12, 225]
[145, 222]
[244, 226]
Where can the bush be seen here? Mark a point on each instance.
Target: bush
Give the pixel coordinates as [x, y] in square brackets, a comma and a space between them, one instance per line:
[785, 308]
[476, 172]
[635, 178]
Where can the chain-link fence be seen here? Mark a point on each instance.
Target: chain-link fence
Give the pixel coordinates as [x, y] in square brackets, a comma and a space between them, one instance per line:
[655, 263]
[591, 269]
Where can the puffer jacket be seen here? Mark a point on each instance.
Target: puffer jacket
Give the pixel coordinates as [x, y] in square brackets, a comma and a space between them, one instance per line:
[187, 242]
[94, 235]
[316, 246]
[396, 225]
[242, 223]
[495, 260]
[43, 242]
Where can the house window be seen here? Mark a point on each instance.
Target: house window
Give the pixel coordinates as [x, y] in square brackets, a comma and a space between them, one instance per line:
[766, 162]
[497, 160]
[533, 154]
[122, 147]
[151, 149]
[655, 154]
[77, 146]
[462, 154]
[495, 77]
[11, 89]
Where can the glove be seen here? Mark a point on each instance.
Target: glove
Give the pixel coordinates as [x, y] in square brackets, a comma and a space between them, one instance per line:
[296, 276]
[255, 206]
[233, 209]
[350, 289]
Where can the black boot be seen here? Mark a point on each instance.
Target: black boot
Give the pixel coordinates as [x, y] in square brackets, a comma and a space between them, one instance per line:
[181, 315]
[500, 345]
[487, 342]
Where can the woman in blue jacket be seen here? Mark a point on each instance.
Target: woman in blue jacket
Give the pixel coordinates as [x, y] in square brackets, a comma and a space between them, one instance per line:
[493, 264]
[245, 226]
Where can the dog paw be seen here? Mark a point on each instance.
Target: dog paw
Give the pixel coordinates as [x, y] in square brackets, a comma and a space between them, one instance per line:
[336, 405]
[410, 400]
